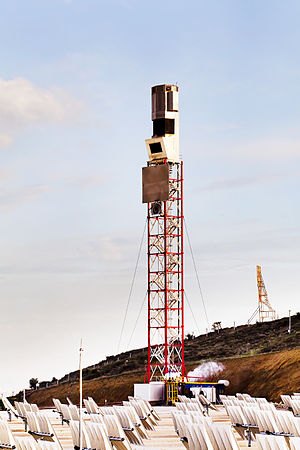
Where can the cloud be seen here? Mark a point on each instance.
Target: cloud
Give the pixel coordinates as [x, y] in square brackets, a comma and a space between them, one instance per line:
[241, 247]
[219, 127]
[12, 199]
[228, 183]
[23, 104]
[73, 255]
[104, 247]
[231, 183]
[268, 148]
[5, 176]
[5, 140]
[86, 182]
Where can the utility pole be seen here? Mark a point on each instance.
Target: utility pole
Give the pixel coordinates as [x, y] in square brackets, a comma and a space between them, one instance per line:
[290, 322]
[80, 395]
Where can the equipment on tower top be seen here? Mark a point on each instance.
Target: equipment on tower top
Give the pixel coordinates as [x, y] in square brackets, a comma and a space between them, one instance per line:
[264, 311]
[164, 143]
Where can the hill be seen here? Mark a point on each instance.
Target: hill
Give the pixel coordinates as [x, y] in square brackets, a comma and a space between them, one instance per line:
[262, 359]
[265, 375]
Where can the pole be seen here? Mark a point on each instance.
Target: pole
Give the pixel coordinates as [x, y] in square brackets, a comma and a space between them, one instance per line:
[290, 322]
[80, 395]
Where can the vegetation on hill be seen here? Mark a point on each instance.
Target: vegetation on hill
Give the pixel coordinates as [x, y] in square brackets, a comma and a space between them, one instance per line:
[243, 340]
[266, 375]
[249, 353]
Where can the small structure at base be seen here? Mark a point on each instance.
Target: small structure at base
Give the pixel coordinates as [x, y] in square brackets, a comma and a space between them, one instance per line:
[153, 392]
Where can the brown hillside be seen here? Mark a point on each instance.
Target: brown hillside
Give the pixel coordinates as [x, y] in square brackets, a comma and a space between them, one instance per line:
[256, 339]
[266, 375]
[113, 389]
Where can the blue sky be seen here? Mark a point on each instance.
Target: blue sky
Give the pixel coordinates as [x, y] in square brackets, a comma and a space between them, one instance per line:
[75, 85]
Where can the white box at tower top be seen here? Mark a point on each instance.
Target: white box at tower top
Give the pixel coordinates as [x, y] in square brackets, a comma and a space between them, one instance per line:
[165, 116]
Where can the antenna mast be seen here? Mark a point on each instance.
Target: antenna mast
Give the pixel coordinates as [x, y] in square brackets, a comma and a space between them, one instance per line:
[163, 193]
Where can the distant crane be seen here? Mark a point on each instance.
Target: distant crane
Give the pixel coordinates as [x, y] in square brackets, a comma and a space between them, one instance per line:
[264, 310]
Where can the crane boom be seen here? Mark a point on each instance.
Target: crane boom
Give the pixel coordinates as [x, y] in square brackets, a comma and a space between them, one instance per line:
[264, 309]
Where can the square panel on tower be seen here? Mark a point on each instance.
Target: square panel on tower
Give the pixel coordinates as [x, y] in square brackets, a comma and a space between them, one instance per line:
[155, 183]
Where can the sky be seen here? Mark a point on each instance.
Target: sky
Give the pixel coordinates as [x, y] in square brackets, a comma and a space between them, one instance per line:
[75, 83]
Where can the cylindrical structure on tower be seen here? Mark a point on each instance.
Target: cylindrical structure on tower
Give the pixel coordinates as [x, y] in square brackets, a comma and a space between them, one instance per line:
[163, 193]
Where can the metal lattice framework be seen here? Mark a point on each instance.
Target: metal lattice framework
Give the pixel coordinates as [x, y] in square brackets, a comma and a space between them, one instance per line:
[165, 282]
[265, 310]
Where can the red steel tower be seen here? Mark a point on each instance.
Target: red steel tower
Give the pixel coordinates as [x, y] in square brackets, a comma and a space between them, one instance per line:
[163, 193]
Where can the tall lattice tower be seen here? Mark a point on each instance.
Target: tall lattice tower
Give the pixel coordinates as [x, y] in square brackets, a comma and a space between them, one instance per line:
[264, 311]
[163, 193]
